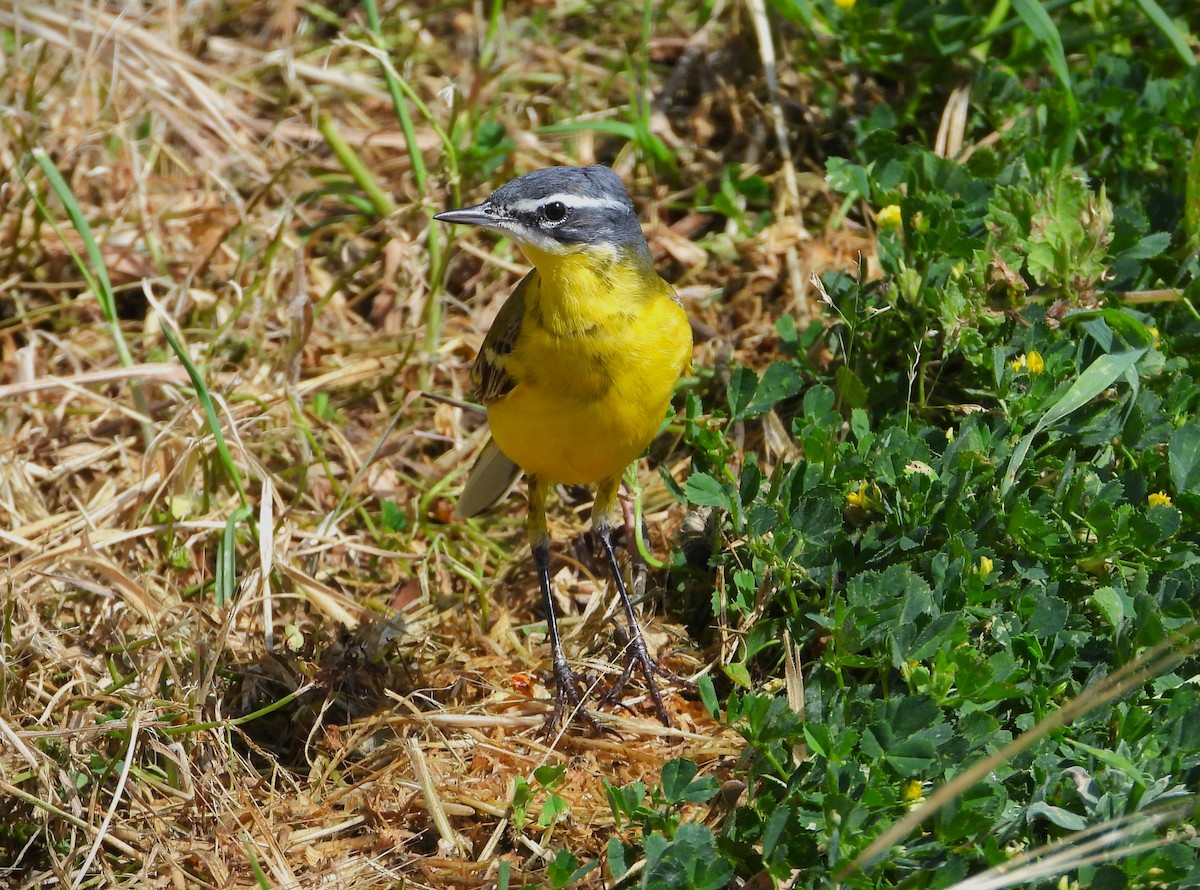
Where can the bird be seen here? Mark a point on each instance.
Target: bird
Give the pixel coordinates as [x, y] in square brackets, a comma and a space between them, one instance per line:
[577, 373]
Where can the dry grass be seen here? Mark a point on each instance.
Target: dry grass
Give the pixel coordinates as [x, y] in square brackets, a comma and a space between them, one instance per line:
[397, 663]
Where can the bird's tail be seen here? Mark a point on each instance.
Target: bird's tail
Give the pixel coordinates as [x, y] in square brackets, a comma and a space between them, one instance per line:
[492, 477]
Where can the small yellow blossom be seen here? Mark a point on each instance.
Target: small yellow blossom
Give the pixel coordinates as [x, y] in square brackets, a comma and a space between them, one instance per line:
[1018, 363]
[956, 271]
[985, 566]
[912, 790]
[1153, 332]
[889, 217]
[1035, 362]
[1159, 499]
[859, 498]
[844, 4]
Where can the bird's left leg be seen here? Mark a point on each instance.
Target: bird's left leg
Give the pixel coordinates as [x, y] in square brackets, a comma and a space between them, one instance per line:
[566, 680]
[639, 655]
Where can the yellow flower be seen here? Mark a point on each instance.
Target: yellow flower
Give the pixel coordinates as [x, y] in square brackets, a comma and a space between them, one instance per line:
[889, 217]
[1035, 362]
[912, 791]
[859, 498]
[1159, 499]
[1153, 332]
[1018, 363]
[844, 4]
[985, 566]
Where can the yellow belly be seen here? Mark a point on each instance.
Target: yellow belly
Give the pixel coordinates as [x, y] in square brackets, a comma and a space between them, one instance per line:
[583, 409]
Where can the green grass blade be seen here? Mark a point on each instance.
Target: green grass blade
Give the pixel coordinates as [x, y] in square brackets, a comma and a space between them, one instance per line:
[623, 129]
[1095, 379]
[1175, 37]
[214, 423]
[420, 172]
[1133, 331]
[94, 271]
[353, 165]
[399, 89]
[260, 876]
[97, 273]
[1191, 215]
[192, 728]
[225, 582]
[1038, 21]
[995, 19]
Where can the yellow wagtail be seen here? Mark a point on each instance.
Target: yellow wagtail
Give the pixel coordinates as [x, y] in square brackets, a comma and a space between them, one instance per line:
[577, 371]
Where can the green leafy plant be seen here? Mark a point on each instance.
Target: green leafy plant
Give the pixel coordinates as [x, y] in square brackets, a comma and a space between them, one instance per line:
[677, 854]
[545, 779]
[991, 506]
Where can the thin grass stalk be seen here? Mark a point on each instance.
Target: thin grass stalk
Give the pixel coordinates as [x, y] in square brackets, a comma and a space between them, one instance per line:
[122, 779]
[1166, 26]
[214, 424]
[260, 876]
[246, 295]
[998, 14]
[1093, 845]
[400, 89]
[634, 486]
[433, 244]
[353, 165]
[488, 53]
[95, 274]
[1191, 212]
[71, 819]
[234, 722]
[420, 172]
[1154, 661]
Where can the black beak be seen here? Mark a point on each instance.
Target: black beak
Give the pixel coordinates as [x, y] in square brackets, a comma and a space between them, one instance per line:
[479, 215]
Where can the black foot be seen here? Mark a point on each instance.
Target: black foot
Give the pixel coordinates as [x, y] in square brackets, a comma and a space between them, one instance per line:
[567, 683]
[640, 659]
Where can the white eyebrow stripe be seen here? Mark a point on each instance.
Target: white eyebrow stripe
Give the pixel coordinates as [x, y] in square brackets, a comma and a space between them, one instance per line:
[575, 202]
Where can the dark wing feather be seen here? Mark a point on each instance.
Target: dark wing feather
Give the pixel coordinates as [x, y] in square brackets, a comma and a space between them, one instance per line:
[489, 376]
[491, 479]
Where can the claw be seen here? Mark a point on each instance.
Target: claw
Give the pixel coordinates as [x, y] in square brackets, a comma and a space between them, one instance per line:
[639, 658]
[566, 690]
[634, 642]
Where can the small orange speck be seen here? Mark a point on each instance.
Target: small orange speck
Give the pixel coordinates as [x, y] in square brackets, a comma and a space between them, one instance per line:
[442, 511]
[523, 683]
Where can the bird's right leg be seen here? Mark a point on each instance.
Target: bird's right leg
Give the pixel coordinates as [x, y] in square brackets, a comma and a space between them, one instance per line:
[638, 655]
[566, 680]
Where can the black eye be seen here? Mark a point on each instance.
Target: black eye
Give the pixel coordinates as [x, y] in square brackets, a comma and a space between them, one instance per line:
[555, 212]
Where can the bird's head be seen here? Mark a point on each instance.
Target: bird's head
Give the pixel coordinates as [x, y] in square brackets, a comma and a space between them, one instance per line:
[559, 211]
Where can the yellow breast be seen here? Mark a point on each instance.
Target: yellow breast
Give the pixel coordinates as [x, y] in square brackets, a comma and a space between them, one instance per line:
[600, 351]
